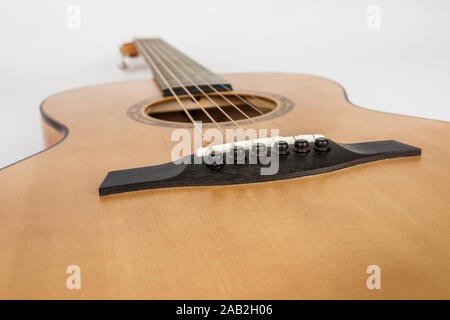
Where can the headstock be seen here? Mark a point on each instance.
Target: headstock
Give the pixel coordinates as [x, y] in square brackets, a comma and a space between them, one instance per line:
[127, 50]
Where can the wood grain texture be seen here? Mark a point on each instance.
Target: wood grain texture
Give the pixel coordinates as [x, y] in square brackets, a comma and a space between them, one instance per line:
[310, 237]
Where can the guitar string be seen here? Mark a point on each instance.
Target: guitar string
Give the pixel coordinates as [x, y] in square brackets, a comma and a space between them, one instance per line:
[146, 47]
[237, 96]
[288, 119]
[173, 56]
[262, 113]
[167, 52]
[196, 86]
[160, 56]
[155, 67]
[159, 50]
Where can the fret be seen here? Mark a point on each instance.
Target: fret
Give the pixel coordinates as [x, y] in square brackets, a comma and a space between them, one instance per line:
[171, 56]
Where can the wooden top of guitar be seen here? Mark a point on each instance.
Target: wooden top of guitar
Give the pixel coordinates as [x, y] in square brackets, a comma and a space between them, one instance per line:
[303, 238]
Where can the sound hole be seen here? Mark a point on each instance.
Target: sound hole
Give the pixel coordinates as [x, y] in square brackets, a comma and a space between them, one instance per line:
[239, 106]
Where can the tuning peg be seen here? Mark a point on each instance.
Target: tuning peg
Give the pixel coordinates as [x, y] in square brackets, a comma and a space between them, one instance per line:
[122, 64]
[127, 50]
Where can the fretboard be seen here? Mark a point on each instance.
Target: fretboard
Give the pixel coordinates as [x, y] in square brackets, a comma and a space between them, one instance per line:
[174, 70]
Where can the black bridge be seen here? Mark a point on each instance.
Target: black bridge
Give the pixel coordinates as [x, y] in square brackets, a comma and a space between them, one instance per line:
[292, 164]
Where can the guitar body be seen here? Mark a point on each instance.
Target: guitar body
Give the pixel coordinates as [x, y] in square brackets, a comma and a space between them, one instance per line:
[304, 238]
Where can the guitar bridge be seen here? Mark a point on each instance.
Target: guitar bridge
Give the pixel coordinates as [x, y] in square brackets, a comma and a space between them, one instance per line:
[192, 171]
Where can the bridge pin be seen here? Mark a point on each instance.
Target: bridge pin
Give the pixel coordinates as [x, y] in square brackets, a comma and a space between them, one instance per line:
[239, 155]
[215, 161]
[301, 146]
[258, 152]
[259, 149]
[282, 148]
[321, 145]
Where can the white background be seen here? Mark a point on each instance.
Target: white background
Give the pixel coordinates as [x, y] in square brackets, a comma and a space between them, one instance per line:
[402, 68]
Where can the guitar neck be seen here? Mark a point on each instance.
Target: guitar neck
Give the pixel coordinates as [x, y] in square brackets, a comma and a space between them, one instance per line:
[175, 72]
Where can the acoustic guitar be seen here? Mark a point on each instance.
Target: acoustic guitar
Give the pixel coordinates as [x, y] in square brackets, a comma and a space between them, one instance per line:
[327, 201]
